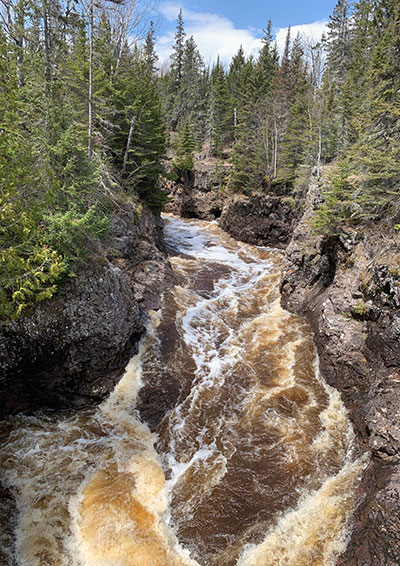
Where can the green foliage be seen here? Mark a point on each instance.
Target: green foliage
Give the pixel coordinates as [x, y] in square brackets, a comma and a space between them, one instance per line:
[69, 232]
[220, 120]
[29, 275]
[343, 203]
[55, 201]
[139, 142]
[29, 269]
[360, 308]
[186, 145]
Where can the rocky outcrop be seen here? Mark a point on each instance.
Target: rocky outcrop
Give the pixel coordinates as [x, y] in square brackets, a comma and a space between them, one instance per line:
[203, 198]
[348, 287]
[260, 219]
[70, 351]
[265, 218]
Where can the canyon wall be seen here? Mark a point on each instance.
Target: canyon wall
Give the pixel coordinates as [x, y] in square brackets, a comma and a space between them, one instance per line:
[348, 288]
[71, 350]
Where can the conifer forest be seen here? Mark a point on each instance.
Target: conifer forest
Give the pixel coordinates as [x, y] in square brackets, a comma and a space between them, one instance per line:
[87, 117]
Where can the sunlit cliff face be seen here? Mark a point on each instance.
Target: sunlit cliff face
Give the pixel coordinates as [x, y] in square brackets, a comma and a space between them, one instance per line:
[253, 466]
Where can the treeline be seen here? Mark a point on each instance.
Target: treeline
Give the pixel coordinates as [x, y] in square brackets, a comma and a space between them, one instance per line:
[335, 100]
[85, 119]
[80, 129]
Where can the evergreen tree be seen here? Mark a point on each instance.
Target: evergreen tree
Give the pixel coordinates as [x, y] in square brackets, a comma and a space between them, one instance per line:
[296, 138]
[377, 150]
[150, 55]
[219, 113]
[174, 82]
[141, 130]
[184, 163]
[237, 80]
[190, 105]
[339, 56]
[267, 63]
[248, 157]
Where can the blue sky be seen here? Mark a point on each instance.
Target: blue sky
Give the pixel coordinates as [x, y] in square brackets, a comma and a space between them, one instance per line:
[220, 27]
[254, 13]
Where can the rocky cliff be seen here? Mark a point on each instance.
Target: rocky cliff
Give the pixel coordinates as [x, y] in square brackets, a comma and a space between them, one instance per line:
[348, 287]
[203, 197]
[260, 218]
[71, 350]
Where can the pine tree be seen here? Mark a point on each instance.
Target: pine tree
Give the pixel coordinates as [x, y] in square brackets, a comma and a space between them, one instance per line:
[141, 129]
[219, 112]
[247, 156]
[296, 138]
[184, 163]
[339, 55]
[190, 107]
[377, 151]
[174, 82]
[150, 54]
[237, 80]
[267, 63]
[30, 268]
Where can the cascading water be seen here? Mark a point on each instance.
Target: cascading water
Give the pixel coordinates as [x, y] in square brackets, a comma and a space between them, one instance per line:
[253, 466]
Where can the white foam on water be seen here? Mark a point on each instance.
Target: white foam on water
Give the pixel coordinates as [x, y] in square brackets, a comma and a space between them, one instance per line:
[314, 533]
[90, 487]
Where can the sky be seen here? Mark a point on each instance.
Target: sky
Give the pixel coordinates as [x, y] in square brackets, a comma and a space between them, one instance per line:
[219, 27]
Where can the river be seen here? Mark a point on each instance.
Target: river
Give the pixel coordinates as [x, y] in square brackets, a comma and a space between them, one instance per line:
[253, 465]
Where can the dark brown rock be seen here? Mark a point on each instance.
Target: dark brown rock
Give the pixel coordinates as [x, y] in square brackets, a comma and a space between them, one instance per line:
[8, 521]
[259, 219]
[203, 198]
[348, 289]
[71, 350]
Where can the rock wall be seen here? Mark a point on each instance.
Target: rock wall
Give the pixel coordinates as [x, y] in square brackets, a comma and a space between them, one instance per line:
[203, 198]
[348, 287]
[261, 218]
[71, 350]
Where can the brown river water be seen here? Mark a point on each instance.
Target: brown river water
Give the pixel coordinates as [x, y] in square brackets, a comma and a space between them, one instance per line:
[254, 466]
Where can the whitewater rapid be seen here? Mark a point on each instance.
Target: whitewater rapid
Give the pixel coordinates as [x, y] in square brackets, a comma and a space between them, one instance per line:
[249, 458]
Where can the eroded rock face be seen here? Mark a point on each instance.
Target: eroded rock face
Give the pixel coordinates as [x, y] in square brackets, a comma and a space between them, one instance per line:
[71, 350]
[262, 218]
[259, 219]
[348, 287]
[203, 198]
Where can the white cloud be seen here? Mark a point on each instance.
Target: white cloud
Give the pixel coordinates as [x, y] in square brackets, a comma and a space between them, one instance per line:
[214, 34]
[311, 32]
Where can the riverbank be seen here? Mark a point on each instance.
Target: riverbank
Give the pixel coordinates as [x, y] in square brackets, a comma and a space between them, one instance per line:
[348, 289]
[70, 351]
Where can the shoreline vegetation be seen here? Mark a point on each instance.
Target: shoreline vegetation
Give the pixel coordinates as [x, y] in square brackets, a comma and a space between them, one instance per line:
[87, 121]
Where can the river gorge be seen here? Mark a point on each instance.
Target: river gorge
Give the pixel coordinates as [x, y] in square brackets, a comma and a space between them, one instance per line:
[220, 446]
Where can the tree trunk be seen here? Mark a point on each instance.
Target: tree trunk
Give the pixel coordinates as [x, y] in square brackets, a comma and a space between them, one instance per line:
[319, 151]
[129, 142]
[19, 41]
[47, 44]
[90, 95]
[276, 150]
